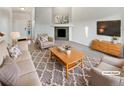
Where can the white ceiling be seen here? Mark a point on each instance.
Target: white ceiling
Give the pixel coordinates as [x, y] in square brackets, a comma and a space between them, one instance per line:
[18, 9]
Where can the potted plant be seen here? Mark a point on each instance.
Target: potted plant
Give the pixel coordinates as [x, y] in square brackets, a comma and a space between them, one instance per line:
[67, 49]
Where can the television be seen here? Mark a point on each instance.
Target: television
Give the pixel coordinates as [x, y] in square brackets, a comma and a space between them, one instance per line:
[109, 28]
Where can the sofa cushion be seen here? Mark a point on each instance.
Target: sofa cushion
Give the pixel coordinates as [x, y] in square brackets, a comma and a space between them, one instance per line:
[103, 80]
[23, 45]
[30, 79]
[118, 62]
[9, 72]
[25, 55]
[3, 51]
[48, 44]
[26, 66]
[107, 67]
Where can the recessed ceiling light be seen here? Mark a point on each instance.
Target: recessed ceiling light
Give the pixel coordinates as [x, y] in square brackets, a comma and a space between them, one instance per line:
[22, 8]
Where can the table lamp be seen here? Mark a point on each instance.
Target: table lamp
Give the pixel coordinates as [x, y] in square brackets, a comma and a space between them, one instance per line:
[1, 34]
[15, 36]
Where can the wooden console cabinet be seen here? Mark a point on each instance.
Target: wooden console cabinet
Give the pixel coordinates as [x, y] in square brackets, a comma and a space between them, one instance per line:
[108, 47]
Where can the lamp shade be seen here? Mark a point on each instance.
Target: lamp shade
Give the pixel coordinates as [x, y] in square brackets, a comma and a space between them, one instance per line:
[1, 34]
[15, 35]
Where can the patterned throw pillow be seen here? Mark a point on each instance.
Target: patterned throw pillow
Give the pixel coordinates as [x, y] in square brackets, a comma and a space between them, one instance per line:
[44, 38]
[14, 51]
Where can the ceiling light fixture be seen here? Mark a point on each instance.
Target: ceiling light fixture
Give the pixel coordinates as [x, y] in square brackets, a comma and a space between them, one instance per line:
[22, 8]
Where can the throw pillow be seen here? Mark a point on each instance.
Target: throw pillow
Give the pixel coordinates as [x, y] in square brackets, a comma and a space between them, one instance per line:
[14, 51]
[9, 72]
[44, 38]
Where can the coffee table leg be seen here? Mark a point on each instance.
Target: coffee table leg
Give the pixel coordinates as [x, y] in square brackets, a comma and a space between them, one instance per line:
[50, 55]
[81, 63]
[66, 71]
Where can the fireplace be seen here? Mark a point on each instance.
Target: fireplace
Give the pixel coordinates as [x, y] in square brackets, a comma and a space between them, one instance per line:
[61, 33]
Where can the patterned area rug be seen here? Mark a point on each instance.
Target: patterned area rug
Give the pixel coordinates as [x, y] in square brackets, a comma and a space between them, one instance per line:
[52, 73]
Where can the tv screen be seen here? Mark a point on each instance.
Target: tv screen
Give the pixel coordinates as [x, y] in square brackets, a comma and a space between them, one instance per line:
[109, 28]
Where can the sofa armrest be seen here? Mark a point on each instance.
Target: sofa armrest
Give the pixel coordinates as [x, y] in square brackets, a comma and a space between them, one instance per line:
[98, 79]
[38, 43]
[50, 39]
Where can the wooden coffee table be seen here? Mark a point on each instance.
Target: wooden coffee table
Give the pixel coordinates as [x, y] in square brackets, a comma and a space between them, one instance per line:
[70, 61]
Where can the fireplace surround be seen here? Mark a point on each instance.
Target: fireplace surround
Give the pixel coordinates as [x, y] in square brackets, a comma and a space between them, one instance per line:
[61, 33]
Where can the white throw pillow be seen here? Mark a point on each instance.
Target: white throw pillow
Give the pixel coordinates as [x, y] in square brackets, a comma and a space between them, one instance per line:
[14, 51]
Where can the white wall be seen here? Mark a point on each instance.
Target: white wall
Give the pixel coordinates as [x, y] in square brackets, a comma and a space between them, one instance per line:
[6, 22]
[33, 23]
[61, 11]
[87, 17]
[82, 19]
[43, 21]
[20, 20]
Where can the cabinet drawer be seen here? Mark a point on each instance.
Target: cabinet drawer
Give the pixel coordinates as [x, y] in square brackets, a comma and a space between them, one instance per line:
[107, 47]
[117, 53]
[114, 46]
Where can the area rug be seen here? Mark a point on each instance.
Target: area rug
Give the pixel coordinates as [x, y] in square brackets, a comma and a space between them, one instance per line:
[52, 73]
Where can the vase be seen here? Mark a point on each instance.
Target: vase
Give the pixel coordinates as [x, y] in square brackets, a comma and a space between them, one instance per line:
[115, 41]
[68, 52]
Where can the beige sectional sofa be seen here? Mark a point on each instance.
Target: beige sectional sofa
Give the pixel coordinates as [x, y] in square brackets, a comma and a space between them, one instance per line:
[98, 79]
[28, 75]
